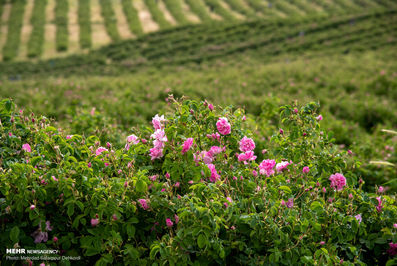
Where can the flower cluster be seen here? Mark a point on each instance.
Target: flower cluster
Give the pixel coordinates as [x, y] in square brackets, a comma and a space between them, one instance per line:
[338, 181]
[159, 137]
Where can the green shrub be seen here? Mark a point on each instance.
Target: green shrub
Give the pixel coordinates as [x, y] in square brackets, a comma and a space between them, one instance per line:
[175, 8]
[110, 19]
[61, 22]
[84, 14]
[132, 17]
[199, 8]
[11, 47]
[157, 14]
[38, 19]
[194, 202]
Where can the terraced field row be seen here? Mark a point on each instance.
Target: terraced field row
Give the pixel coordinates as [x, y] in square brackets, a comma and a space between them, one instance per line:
[50, 28]
[199, 43]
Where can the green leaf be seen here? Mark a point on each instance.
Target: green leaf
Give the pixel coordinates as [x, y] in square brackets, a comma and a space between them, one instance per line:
[201, 241]
[91, 251]
[154, 250]
[141, 186]
[70, 210]
[14, 234]
[285, 189]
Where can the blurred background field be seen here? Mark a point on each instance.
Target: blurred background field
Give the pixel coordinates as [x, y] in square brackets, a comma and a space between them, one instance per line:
[123, 57]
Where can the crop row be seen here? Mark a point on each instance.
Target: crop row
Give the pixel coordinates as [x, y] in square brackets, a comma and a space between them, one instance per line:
[84, 15]
[175, 8]
[198, 7]
[157, 14]
[239, 7]
[61, 22]
[110, 19]
[132, 17]
[36, 40]
[197, 43]
[217, 8]
[15, 22]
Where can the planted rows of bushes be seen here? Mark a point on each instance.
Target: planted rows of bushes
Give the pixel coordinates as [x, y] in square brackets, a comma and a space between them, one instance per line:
[157, 14]
[15, 21]
[223, 190]
[175, 8]
[199, 8]
[84, 16]
[198, 43]
[61, 22]
[38, 20]
[131, 14]
[110, 19]
[239, 7]
[217, 8]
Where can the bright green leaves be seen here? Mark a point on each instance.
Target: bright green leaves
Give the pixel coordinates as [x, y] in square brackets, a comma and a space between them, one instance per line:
[141, 186]
[202, 241]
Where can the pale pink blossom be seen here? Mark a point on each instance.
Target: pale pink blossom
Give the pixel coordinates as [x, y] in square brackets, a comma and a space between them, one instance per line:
[214, 150]
[247, 156]
[176, 217]
[319, 118]
[290, 203]
[156, 153]
[187, 145]
[100, 150]
[132, 139]
[358, 218]
[158, 121]
[247, 144]
[26, 147]
[94, 222]
[223, 126]
[338, 181]
[32, 207]
[282, 166]
[379, 207]
[381, 189]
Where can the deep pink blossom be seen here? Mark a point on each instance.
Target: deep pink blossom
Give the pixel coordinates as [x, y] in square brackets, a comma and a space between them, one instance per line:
[69, 136]
[143, 204]
[211, 107]
[26, 147]
[55, 239]
[381, 189]
[169, 223]
[187, 145]
[380, 206]
[319, 118]
[392, 249]
[32, 207]
[247, 144]
[214, 173]
[223, 126]
[100, 150]
[305, 169]
[290, 203]
[156, 153]
[338, 181]
[214, 150]
[266, 167]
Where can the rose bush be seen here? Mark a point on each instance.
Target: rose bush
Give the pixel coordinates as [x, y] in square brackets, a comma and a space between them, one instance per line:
[198, 187]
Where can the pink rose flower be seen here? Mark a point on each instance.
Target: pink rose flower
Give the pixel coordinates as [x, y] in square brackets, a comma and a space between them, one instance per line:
[247, 156]
[132, 139]
[223, 126]
[187, 145]
[211, 107]
[176, 217]
[214, 173]
[290, 203]
[381, 189]
[247, 144]
[26, 147]
[358, 218]
[281, 166]
[305, 169]
[100, 150]
[266, 167]
[319, 118]
[169, 223]
[338, 181]
[143, 204]
[156, 153]
[94, 222]
[158, 121]
[379, 207]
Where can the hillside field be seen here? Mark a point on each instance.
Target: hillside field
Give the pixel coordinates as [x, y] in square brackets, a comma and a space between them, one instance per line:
[199, 132]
